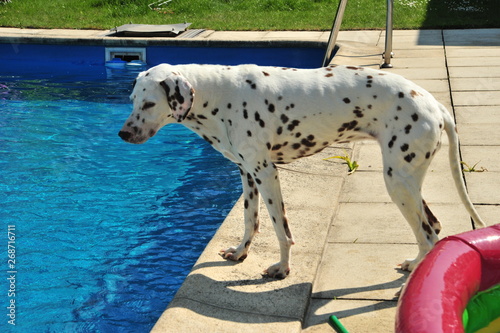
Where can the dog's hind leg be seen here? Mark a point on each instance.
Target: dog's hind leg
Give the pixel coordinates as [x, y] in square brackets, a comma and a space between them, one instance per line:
[404, 184]
[251, 213]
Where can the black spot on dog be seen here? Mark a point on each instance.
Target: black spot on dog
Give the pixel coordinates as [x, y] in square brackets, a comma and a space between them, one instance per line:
[358, 113]
[229, 105]
[405, 147]
[265, 73]
[409, 157]
[296, 145]
[207, 139]
[347, 100]
[307, 143]
[389, 172]
[407, 129]
[279, 130]
[245, 113]
[427, 155]
[215, 111]
[414, 117]
[271, 108]
[293, 124]
[393, 139]
[284, 118]
[276, 147]
[252, 85]
[401, 95]
[249, 134]
[205, 104]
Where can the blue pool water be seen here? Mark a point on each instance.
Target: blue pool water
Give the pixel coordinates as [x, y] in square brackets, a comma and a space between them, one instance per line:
[104, 232]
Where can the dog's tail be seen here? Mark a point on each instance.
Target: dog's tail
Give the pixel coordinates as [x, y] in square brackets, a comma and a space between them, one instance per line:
[456, 167]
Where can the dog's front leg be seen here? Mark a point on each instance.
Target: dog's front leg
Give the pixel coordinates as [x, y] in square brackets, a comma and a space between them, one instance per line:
[268, 184]
[252, 202]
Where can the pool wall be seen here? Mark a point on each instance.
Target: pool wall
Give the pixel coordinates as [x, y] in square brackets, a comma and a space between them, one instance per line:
[303, 54]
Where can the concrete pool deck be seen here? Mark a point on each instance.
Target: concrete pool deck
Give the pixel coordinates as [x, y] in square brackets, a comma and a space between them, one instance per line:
[349, 236]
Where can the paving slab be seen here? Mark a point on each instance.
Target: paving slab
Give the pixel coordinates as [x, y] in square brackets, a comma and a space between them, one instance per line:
[486, 157]
[477, 61]
[472, 37]
[381, 223]
[471, 52]
[483, 72]
[483, 187]
[475, 84]
[476, 98]
[436, 73]
[362, 271]
[356, 315]
[475, 134]
[477, 115]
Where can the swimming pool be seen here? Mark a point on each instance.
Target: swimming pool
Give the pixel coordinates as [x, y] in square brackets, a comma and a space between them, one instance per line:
[105, 232]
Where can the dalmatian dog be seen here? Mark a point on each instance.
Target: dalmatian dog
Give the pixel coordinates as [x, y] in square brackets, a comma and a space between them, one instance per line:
[258, 117]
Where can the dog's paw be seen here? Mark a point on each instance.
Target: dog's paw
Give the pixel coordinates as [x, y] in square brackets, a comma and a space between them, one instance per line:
[233, 254]
[409, 264]
[278, 271]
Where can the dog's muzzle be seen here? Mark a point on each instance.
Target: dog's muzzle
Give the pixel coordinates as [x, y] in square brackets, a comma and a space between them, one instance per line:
[125, 135]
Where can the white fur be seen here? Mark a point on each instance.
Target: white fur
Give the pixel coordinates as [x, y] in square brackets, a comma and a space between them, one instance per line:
[258, 116]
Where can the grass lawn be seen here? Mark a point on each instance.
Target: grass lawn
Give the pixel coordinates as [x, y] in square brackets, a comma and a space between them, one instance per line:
[249, 14]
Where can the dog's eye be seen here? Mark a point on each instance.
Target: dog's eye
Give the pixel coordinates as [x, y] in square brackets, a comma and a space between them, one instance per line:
[148, 105]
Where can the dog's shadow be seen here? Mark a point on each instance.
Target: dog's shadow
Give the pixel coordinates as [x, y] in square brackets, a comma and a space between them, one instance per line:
[266, 300]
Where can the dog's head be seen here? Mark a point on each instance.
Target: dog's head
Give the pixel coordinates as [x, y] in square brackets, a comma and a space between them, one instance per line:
[160, 96]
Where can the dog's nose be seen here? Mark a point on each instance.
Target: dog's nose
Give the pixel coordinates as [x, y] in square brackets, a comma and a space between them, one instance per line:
[124, 135]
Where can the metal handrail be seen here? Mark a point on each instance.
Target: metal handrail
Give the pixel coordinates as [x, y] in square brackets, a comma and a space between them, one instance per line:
[334, 33]
[336, 27]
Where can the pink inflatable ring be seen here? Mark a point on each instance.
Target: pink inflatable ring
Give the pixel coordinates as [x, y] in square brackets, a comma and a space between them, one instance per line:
[438, 290]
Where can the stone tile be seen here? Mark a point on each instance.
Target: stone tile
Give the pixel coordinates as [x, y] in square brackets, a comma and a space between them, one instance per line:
[418, 53]
[417, 73]
[342, 273]
[185, 315]
[434, 86]
[369, 37]
[427, 63]
[477, 115]
[238, 35]
[483, 72]
[475, 84]
[471, 52]
[476, 98]
[478, 61]
[487, 157]
[293, 35]
[355, 315]
[383, 223]
[415, 38]
[483, 187]
[489, 213]
[475, 134]
[472, 37]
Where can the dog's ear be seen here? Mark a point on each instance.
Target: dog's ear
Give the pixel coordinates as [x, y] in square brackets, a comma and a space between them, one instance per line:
[180, 95]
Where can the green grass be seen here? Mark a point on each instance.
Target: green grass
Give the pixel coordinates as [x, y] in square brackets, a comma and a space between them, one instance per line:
[250, 14]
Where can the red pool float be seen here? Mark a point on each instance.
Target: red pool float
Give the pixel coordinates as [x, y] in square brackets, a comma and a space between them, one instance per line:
[437, 292]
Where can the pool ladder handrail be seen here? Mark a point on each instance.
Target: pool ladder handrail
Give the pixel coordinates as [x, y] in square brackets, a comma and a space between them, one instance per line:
[336, 27]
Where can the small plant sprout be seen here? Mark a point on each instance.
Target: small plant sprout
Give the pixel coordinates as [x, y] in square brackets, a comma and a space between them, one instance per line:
[352, 165]
[468, 168]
